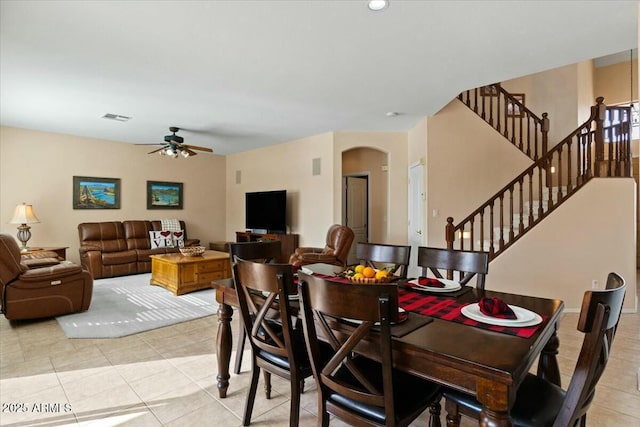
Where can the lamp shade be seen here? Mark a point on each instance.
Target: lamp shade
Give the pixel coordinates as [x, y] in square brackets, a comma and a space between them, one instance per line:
[23, 214]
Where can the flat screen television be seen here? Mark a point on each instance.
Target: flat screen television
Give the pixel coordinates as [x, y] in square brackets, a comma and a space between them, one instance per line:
[266, 210]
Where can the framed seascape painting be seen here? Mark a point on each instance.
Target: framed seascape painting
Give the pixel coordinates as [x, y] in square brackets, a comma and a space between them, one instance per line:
[96, 193]
[164, 195]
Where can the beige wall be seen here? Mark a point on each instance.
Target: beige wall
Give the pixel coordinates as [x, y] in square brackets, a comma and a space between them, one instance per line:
[467, 162]
[561, 256]
[614, 82]
[369, 162]
[286, 166]
[38, 168]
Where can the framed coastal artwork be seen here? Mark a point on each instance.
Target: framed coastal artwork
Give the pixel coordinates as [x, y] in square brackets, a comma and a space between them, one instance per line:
[96, 193]
[164, 195]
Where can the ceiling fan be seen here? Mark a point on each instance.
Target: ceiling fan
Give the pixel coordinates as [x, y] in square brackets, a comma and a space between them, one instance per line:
[174, 146]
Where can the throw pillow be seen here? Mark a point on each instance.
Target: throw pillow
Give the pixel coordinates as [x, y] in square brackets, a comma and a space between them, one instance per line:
[178, 239]
[161, 239]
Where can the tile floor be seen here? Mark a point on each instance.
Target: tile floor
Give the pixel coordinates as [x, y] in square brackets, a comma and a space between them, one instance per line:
[166, 377]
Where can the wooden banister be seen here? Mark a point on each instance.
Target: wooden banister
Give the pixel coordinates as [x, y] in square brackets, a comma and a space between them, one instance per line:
[548, 182]
[511, 118]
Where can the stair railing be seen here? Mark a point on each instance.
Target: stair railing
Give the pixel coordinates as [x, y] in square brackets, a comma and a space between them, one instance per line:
[510, 117]
[542, 187]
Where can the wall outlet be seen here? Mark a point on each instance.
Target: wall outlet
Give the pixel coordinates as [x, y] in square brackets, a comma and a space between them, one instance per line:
[594, 284]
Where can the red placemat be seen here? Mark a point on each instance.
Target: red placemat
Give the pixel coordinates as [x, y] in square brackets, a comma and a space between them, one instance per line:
[449, 309]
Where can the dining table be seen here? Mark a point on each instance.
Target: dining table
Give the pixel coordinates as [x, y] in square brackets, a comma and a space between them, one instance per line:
[445, 346]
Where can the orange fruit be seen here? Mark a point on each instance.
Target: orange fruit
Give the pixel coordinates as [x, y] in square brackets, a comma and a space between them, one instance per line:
[359, 268]
[368, 272]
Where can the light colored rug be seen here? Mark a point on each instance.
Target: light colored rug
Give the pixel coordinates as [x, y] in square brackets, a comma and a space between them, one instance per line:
[127, 305]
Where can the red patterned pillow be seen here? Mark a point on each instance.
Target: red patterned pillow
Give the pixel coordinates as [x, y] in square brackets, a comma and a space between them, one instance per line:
[161, 239]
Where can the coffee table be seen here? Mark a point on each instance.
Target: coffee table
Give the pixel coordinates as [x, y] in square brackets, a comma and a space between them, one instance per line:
[181, 274]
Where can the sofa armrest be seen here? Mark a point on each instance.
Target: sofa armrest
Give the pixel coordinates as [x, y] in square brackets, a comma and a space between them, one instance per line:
[39, 262]
[308, 250]
[88, 248]
[318, 258]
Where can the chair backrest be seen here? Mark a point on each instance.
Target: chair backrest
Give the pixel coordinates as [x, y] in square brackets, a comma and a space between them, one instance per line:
[266, 251]
[373, 254]
[326, 301]
[10, 266]
[339, 240]
[599, 318]
[262, 291]
[466, 263]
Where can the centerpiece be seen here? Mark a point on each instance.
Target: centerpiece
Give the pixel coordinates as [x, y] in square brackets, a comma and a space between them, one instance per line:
[367, 275]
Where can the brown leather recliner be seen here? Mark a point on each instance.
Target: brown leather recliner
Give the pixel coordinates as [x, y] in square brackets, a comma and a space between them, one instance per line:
[31, 293]
[336, 250]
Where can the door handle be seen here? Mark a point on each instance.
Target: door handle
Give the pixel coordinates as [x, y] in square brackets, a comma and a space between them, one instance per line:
[419, 232]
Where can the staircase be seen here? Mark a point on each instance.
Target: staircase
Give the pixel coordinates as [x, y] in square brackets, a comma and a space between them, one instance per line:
[600, 147]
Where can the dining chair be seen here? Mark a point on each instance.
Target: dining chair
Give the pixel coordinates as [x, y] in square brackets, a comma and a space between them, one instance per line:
[356, 389]
[266, 251]
[540, 403]
[375, 254]
[277, 347]
[466, 263]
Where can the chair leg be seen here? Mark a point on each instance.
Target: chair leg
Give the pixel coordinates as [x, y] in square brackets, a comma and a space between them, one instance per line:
[251, 397]
[453, 415]
[434, 414]
[294, 413]
[242, 334]
[267, 384]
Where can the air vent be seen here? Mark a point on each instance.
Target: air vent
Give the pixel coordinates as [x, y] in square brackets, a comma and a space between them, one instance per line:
[116, 117]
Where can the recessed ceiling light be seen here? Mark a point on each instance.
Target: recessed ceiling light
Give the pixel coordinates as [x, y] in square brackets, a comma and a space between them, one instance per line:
[116, 117]
[392, 114]
[377, 5]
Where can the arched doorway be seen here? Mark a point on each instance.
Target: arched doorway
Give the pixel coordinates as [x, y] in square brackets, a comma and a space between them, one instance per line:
[365, 191]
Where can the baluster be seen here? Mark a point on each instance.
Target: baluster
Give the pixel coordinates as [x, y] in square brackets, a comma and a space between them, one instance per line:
[461, 235]
[540, 194]
[449, 233]
[559, 173]
[530, 197]
[482, 229]
[475, 100]
[549, 192]
[521, 206]
[569, 176]
[491, 110]
[511, 234]
[501, 221]
[471, 224]
[529, 119]
[612, 142]
[520, 137]
[491, 232]
[587, 150]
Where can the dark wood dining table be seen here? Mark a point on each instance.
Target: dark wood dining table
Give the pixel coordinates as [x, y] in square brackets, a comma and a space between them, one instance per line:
[488, 364]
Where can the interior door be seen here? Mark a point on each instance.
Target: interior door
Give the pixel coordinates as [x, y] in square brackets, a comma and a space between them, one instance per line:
[356, 210]
[416, 230]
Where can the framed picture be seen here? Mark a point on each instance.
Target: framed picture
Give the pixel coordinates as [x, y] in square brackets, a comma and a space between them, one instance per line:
[514, 110]
[488, 91]
[96, 193]
[164, 195]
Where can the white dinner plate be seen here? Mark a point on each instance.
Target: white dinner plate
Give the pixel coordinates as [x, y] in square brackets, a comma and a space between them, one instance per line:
[357, 322]
[524, 317]
[305, 270]
[449, 286]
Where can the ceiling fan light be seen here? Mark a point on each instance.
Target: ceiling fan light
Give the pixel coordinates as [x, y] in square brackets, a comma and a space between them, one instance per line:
[170, 152]
[184, 153]
[162, 153]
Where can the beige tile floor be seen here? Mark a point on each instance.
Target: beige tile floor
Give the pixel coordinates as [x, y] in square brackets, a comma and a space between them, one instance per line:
[166, 377]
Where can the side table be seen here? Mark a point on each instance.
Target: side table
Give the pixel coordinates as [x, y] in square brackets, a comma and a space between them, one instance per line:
[61, 251]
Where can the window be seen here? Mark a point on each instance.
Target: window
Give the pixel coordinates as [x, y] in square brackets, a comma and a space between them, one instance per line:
[616, 116]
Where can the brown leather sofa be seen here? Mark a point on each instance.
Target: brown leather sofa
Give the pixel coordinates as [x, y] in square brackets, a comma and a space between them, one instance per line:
[34, 291]
[116, 248]
[336, 250]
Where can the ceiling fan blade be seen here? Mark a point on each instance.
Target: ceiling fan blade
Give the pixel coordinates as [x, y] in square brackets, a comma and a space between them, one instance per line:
[195, 147]
[155, 151]
[155, 143]
[191, 153]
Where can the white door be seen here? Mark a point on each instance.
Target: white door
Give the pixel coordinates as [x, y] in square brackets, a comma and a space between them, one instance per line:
[416, 215]
[356, 211]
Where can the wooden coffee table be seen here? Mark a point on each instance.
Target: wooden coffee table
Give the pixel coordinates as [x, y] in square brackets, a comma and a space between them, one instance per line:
[181, 274]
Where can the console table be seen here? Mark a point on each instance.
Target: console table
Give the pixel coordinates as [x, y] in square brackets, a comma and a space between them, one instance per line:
[288, 242]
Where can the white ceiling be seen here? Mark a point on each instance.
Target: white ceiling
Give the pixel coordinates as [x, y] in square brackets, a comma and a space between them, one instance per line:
[242, 74]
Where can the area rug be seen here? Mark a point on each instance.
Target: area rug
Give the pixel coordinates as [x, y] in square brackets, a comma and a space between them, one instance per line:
[127, 305]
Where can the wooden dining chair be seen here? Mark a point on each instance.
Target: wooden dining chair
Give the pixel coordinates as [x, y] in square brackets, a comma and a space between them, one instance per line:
[375, 254]
[540, 403]
[265, 251]
[467, 264]
[356, 389]
[263, 295]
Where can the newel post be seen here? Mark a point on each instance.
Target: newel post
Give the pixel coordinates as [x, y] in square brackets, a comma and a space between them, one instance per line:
[449, 233]
[545, 132]
[600, 115]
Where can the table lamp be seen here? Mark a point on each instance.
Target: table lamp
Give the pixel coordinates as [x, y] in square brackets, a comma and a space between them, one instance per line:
[24, 215]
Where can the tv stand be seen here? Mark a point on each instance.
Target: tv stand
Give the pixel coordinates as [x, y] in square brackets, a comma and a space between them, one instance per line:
[288, 242]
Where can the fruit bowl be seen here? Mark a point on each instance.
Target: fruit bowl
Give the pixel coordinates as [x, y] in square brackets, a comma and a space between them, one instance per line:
[192, 250]
[359, 274]
[371, 280]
